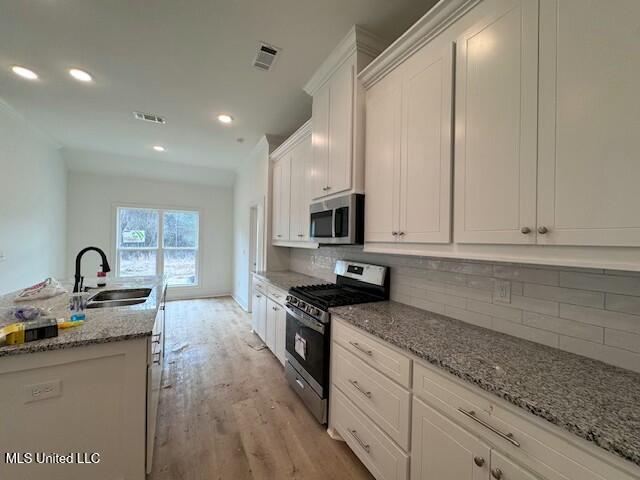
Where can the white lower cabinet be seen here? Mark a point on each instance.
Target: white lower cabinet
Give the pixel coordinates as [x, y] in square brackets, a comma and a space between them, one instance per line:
[456, 431]
[270, 334]
[270, 318]
[384, 459]
[260, 314]
[442, 450]
[281, 333]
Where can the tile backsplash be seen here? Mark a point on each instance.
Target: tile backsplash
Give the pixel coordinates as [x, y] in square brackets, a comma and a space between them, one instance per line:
[590, 312]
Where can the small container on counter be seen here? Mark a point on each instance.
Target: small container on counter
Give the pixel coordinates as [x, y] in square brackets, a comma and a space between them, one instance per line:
[77, 306]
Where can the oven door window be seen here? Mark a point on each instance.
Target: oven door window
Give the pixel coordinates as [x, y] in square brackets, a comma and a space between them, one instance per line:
[321, 226]
[309, 347]
[342, 222]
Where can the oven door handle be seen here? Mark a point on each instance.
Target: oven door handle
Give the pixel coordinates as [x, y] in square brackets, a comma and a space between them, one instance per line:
[307, 322]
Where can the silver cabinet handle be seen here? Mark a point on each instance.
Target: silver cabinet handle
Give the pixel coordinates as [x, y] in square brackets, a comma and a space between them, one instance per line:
[525, 230]
[357, 346]
[496, 473]
[328, 187]
[156, 337]
[401, 233]
[156, 361]
[507, 436]
[357, 386]
[300, 384]
[542, 230]
[479, 461]
[301, 235]
[365, 446]
[258, 296]
[394, 233]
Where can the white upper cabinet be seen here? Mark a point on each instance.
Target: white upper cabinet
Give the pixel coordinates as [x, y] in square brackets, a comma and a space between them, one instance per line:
[589, 171]
[338, 114]
[383, 160]
[300, 190]
[281, 197]
[426, 146]
[291, 189]
[408, 151]
[320, 143]
[496, 126]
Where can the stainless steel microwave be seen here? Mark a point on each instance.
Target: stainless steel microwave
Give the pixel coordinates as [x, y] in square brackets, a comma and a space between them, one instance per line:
[338, 221]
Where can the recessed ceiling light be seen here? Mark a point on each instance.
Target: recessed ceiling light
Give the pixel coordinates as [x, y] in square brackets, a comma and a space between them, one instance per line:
[224, 118]
[24, 72]
[159, 148]
[80, 75]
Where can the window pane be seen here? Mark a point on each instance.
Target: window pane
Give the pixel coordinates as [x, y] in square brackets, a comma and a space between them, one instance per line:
[137, 228]
[180, 266]
[136, 263]
[180, 230]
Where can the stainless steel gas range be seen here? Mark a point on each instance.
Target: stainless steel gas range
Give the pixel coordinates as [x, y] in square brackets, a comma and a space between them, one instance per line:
[308, 327]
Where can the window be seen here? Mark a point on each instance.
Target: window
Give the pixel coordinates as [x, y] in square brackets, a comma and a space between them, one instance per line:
[152, 242]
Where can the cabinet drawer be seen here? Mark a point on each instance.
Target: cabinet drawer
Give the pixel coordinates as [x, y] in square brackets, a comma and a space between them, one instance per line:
[277, 294]
[383, 400]
[379, 454]
[260, 286]
[384, 359]
[543, 447]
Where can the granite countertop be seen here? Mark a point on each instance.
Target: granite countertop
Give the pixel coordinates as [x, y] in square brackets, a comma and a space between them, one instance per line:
[594, 400]
[102, 324]
[287, 279]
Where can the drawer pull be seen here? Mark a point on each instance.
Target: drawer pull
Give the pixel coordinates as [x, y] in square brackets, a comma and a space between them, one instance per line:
[479, 461]
[365, 446]
[156, 361]
[507, 436]
[363, 350]
[300, 384]
[357, 386]
[496, 473]
[156, 337]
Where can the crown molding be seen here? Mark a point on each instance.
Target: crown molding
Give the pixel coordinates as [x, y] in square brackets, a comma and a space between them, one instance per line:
[441, 16]
[357, 40]
[294, 139]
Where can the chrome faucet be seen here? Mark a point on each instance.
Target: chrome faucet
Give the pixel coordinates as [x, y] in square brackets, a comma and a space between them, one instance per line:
[79, 279]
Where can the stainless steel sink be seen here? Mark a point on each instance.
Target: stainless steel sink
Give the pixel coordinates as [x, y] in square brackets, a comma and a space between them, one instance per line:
[127, 293]
[115, 303]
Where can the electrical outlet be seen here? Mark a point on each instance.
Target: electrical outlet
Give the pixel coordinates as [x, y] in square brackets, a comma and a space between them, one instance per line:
[502, 291]
[42, 391]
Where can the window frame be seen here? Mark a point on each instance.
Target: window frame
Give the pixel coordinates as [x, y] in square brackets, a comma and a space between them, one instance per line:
[159, 249]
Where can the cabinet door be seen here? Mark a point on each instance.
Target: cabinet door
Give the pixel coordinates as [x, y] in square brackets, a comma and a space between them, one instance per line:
[270, 334]
[441, 449]
[320, 142]
[505, 469]
[259, 314]
[300, 185]
[382, 150]
[281, 198]
[496, 126]
[589, 123]
[341, 128]
[425, 188]
[281, 333]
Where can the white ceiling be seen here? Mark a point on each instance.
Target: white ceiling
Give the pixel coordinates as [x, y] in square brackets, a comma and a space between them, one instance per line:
[186, 60]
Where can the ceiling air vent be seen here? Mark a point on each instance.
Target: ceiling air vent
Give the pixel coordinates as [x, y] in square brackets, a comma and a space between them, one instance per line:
[266, 56]
[149, 117]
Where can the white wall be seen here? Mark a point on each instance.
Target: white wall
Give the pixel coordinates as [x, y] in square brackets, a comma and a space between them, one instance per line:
[91, 210]
[251, 188]
[32, 204]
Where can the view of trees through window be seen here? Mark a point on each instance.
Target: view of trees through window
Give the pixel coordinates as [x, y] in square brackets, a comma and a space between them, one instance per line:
[152, 242]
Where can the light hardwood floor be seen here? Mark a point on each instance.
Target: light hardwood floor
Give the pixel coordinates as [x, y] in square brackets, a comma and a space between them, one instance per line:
[226, 411]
